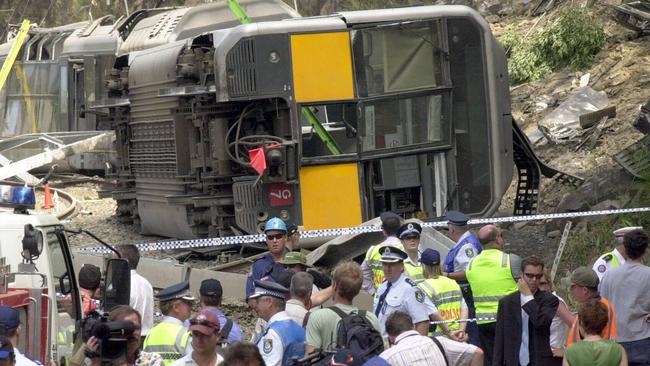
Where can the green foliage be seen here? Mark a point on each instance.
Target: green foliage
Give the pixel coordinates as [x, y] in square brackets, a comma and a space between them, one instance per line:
[571, 40]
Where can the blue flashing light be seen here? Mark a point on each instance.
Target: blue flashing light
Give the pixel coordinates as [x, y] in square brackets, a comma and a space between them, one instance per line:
[17, 197]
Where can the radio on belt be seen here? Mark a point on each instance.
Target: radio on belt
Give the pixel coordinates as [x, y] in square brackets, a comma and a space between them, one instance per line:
[19, 198]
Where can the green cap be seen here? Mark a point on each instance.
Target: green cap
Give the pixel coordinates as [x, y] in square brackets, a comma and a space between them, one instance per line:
[582, 276]
[294, 258]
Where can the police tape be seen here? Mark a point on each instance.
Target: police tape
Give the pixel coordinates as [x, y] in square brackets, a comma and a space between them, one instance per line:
[244, 239]
[472, 320]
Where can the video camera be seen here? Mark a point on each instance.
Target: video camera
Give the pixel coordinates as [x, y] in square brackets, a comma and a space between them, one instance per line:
[113, 336]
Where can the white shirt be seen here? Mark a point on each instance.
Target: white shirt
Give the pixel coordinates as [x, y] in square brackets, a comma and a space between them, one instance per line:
[296, 310]
[270, 344]
[405, 296]
[187, 360]
[22, 360]
[142, 300]
[413, 349]
[464, 254]
[601, 265]
[559, 330]
[524, 354]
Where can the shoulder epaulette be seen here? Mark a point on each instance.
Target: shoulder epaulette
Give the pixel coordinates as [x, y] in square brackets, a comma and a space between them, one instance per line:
[411, 282]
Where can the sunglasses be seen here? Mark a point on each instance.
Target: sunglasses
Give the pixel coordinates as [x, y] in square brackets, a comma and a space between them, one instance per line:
[534, 276]
[411, 237]
[274, 237]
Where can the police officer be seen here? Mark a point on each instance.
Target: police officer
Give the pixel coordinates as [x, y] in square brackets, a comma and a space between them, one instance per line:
[371, 267]
[616, 257]
[398, 292]
[409, 235]
[492, 274]
[268, 267]
[467, 247]
[283, 338]
[444, 293]
[170, 337]
[11, 328]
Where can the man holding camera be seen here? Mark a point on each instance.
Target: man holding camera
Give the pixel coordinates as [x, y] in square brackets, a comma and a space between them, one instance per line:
[170, 338]
[10, 327]
[206, 336]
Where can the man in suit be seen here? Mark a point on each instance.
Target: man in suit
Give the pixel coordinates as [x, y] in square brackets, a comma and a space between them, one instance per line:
[524, 320]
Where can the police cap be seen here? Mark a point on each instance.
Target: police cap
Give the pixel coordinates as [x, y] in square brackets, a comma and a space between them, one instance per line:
[456, 218]
[390, 254]
[268, 288]
[409, 229]
[430, 257]
[620, 233]
[177, 291]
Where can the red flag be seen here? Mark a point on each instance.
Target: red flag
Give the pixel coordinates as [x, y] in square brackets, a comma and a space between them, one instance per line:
[258, 160]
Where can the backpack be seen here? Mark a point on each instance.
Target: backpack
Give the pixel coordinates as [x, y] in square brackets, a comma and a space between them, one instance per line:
[357, 334]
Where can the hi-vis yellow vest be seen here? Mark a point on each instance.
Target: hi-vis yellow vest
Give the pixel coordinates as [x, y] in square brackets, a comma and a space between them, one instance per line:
[372, 258]
[490, 277]
[416, 273]
[445, 294]
[169, 340]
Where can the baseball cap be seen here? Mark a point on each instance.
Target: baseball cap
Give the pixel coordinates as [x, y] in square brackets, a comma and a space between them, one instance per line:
[430, 257]
[294, 258]
[211, 287]
[205, 322]
[582, 276]
[89, 277]
[9, 317]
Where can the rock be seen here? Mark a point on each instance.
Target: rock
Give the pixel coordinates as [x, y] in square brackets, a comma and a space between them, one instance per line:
[554, 234]
[607, 205]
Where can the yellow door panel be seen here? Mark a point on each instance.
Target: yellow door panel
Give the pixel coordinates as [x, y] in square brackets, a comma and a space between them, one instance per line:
[322, 67]
[330, 196]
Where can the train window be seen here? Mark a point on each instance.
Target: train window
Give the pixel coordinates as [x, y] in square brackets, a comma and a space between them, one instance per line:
[33, 96]
[340, 121]
[398, 122]
[397, 58]
[470, 115]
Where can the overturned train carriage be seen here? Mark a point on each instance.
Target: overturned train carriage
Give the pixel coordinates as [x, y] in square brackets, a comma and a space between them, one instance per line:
[349, 115]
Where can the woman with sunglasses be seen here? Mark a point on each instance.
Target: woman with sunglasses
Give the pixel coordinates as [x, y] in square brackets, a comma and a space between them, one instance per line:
[562, 320]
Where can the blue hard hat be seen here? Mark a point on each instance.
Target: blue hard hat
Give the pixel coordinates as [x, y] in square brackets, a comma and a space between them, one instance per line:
[275, 223]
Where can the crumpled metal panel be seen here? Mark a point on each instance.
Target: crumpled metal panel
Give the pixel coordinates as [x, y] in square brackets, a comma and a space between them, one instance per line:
[184, 23]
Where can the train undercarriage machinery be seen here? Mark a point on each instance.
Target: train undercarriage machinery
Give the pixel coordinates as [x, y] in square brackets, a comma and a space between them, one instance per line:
[323, 121]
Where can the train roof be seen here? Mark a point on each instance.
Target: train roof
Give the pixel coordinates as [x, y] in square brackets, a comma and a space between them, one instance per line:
[182, 23]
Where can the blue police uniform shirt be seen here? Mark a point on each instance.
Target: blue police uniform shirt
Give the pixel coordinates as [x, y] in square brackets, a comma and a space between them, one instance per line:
[236, 334]
[467, 247]
[403, 295]
[263, 269]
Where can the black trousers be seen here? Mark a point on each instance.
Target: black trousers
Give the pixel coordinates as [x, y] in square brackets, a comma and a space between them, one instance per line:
[487, 332]
[472, 330]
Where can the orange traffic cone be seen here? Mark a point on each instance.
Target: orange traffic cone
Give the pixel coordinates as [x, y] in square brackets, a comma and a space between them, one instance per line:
[48, 198]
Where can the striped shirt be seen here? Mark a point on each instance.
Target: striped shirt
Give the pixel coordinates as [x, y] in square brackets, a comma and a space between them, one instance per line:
[413, 349]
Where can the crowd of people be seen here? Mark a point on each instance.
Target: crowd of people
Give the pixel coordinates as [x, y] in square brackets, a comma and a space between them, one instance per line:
[476, 306]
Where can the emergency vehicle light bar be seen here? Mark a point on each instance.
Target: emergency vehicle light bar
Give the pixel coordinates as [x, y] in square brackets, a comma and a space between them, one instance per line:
[17, 197]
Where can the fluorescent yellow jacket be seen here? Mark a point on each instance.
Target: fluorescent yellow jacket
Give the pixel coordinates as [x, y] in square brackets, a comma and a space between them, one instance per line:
[168, 339]
[490, 277]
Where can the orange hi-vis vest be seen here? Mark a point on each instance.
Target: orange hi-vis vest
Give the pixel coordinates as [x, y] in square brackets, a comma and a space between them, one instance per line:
[608, 333]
